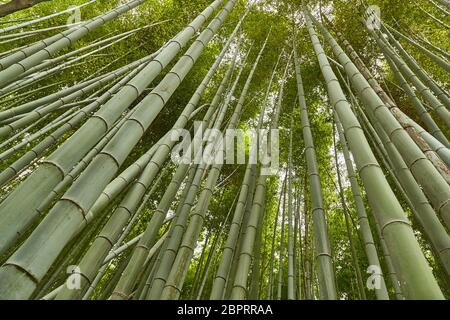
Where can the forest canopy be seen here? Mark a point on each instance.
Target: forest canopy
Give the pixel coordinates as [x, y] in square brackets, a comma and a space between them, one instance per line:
[116, 118]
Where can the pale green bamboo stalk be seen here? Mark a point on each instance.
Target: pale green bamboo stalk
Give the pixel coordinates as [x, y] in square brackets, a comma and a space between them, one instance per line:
[416, 279]
[108, 42]
[281, 249]
[436, 145]
[57, 122]
[220, 278]
[291, 278]
[379, 148]
[113, 189]
[104, 244]
[75, 89]
[63, 159]
[207, 78]
[9, 74]
[272, 254]
[435, 58]
[440, 109]
[322, 242]
[23, 132]
[420, 109]
[403, 119]
[340, 190]
[421, 38]
[163, 270]
[34, 21]
[438, 21]
[420, 206]
[39, 112]
[421, 74]
[254, 290]
[37, 150]
[65, 213]
[363, 220]
[175, 280]
[125, 284]
[181, 202]
[443, 10]
[245, 254]
[424, 171]
[213, 249]
[33, 32]
[34, 75]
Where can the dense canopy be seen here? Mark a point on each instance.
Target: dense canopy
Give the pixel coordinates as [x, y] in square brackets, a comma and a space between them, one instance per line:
[351, 95]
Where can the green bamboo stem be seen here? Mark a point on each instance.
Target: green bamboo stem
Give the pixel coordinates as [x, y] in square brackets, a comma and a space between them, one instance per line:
[127, 280]
[421, 74]
[281, 250]
[416, 279]
[37, 150]
[291, 272]
[254, 289]
[420, 109]
[245, 253]
[175, 280]
[104, 243]
[181, 201]
[409, 75]
[65, 213]
[213, 250]
[9, 74]
[40, 19]
[363, 221]
[106, 42]
[87, 136]
[421, 208]
[424, 171]
[435, 58]
[220, 278]
[272, 254]
[355, 260]
[322, 242]
[62, 160]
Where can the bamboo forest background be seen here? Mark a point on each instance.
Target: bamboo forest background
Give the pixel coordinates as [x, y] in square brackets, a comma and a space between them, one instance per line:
[88, 187]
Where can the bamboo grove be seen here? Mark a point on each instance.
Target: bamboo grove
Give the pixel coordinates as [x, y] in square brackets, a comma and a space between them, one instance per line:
[99, 201]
